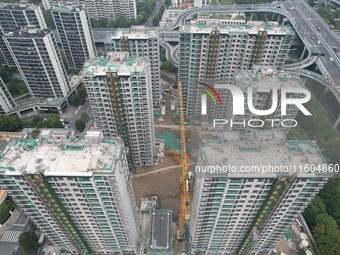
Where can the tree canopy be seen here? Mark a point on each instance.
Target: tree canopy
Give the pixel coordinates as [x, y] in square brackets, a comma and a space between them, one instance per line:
[323, 213]
[80, 125]
[84, 117]
[10, 123]
[28, 241]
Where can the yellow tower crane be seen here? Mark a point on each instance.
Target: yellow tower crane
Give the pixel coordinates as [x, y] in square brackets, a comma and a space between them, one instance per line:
[184, 213]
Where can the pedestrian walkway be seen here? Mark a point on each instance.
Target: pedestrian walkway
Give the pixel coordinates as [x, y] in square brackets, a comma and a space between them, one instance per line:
[11, 236]
[10, 221]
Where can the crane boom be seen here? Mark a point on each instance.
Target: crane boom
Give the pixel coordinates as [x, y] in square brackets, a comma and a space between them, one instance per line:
[185, 199]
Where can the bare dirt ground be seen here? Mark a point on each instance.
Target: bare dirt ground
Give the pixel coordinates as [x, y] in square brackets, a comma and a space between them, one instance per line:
[165, 185]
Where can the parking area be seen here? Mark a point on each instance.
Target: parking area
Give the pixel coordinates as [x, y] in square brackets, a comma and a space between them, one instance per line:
[73, 113]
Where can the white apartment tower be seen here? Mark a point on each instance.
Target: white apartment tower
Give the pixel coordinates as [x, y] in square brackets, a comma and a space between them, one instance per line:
[120, 94]
[75, 32]
[77, 192]
[246, 208]
[37, 57]
[212, 50]
[139, 41]
[17, 16]
[6, 100]
[263, 80]
[102, 9]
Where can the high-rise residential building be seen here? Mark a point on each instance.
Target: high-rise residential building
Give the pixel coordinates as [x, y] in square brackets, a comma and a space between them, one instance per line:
[120, 94]
[37, 57]
[248, 192]
[110, 10]
[139, 41]
[6, 100]
[212, 50]
[77, 192]
[74, 29]
[17, 16]
[266, 84]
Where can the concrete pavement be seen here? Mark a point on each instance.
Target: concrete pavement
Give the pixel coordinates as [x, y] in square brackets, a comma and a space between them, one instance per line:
[9, 222]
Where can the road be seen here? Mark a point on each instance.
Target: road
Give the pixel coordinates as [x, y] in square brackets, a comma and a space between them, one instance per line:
[9, 239]
[158, 6]
[312, 28]
[71, 118]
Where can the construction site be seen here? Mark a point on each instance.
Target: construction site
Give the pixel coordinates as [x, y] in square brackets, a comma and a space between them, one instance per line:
[168, 180]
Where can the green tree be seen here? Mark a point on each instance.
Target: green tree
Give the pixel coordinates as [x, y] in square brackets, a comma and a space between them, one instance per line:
[314, 208]
[10, 123]
[76, 100]
[82, 92]
[5, 207]
[33, 227]
[53, 121]
[168, 66]
[103, 23]
[80, 125]
[84, 117]
[330, 195]
[326, 235]
[28, 241]
[6, 73]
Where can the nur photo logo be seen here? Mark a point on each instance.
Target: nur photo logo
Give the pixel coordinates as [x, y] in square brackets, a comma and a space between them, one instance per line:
[207, 89]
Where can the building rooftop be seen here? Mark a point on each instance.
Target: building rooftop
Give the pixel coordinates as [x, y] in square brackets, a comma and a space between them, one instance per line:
[57, 151]
[115, 62]
[28, 32]
[261, 148]
[264, 78]
[252, 27]
[17, 6]
[160, 233]
[227, 17]
[68, 8]
[135, 32]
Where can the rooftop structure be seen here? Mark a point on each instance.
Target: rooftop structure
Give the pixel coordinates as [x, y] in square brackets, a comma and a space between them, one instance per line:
[251, 28]
[74, 156]
[139, 42]
[90, 172]
[225, 19]
[114, 62]
[161, 232]
[109, 10]
[260, 148]
[250, 191]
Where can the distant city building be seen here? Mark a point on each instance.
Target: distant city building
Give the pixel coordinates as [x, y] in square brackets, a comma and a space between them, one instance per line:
[14, 16]
[110, 10]
[139, 41]
[263, 80]
[201, 3]
[212, 50]
[241, 209]
[120, 94]
[6, 100]
[77, 192]
[37, 57]
[75, 32]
